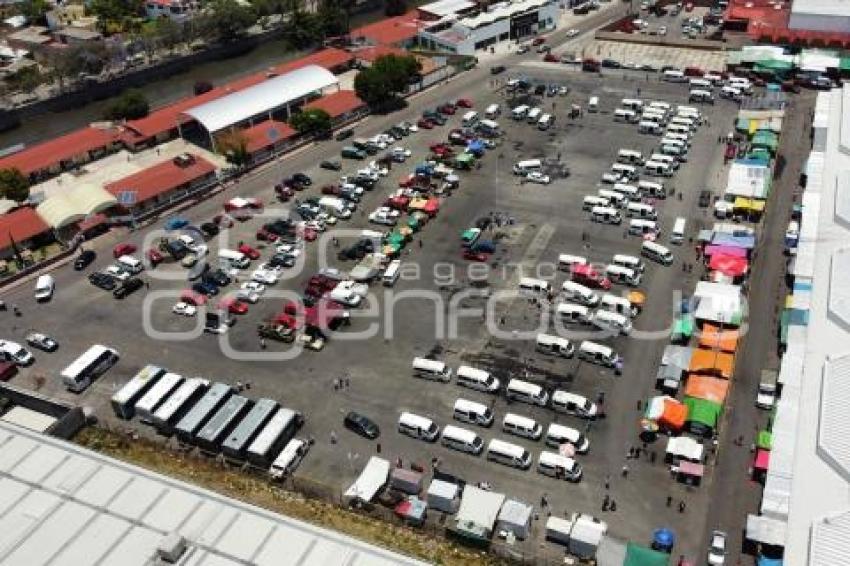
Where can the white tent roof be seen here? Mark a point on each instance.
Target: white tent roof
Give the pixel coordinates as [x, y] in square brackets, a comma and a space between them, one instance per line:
[766, 530]
[373, 477]
[685, 447]
[479, 508]
[748, 180]
[515, 513]
[261, 98]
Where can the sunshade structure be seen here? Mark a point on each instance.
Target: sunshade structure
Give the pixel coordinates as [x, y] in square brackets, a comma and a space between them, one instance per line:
[478, 512]
[744, 241]
[765, 139]
[764, 440]
[684, 447]
[683, 328]
[729, 265]
[718, 303]
[637, 555]
[715, 338]
[373, 477]
[708, 388]
[748, 179]
[733, 251]
[702, 415]
[748, 206]
[68, 207]
[762, 460]
[712, 362]
[667, 413]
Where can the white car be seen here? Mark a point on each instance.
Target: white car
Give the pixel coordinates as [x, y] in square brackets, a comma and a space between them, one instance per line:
[368, 173]
[184, 309]
[717, 548]
[380, 171]
[380, 142]
[611, 178]
[361, 289]
[253, 287]
[288, 249]
[523, 48]
[538, 177]
[248, 296]
[265, 277]
[116, 272]
[563, 90]
[384, 216]
[277, 270]
[220, 329]
[345, 297]
[16, 353]
[411, 127]
[662, 30]
[402, 151]
[572, 32]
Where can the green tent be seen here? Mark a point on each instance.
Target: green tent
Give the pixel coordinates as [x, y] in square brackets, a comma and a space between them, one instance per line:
[703, 414]
[683, 328]
[396, 240]
[760, 153]
[844, 64]
[470, 236]
[765, 139]
[764, 440]
[637, 555]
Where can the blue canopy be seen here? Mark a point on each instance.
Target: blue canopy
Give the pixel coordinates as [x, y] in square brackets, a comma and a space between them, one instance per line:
[663, 538]
[765, 561]
[175, 223]
[722, 239]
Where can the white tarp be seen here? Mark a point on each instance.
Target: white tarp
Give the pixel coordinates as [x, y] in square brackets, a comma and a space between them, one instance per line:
[748, 180]
[718, 302]
[766, 530]
[443, 496]
[373, 477]
[478, 510]
[685, 447]
[515, 516]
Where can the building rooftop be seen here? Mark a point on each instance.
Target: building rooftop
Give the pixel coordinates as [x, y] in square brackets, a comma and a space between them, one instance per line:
[21, 224]
[266, 133]
[338, 103]
[161, 178]
[821, 7]
[390, 31]
[371, 53]
[443, 8]
[45, 155]
[65, 505]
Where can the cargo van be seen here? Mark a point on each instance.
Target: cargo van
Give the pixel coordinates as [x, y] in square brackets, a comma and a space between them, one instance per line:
[567, 262]
[469, 118]
[590, 202]
[612, 198]
[508, 454]
[526, 392]
[605, 215]
[619, 305]
[640, 210]
[418, 427]
[657, 169]
[558, 466]
[554, 346]
[545, 122]
[629, 261]
[630, 156]
[656, 252]
[629, 192]
[234, 259]
[521, 426]
[579, 293]
[534, 287]
[623, 275]
[527, 166]
[431, 369]
[652, 189]
[477, 379]
[627, 171]
[614, 322]
[558, 434]
[639, 227]
[649, 127]
[597, 354]
[473, 413]
[493, 111]
[699, 95]
[571, 313]
[677, 234]
[624, 115]
[632, 104]
[520, 112]
[573, 404]
[391, 273]
[593, 104]
[674, 76]
[533, 115]
[461, 439]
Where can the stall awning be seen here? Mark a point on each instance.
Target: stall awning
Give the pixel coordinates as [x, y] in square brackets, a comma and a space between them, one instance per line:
[691, 469]
[709, 388]
[712, 337]
[762, 460]
[750, 205]
[765, 530]
[729, 265]
[712, 362]
[764, 440]
[637, 555]
[725, 250]
[703, 412]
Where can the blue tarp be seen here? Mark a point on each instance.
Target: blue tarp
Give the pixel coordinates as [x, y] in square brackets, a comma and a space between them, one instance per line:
[798, 317]
[764, 561]
[721, 239]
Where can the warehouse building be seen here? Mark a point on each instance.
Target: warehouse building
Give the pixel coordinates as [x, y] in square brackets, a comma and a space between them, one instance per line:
[832, 16]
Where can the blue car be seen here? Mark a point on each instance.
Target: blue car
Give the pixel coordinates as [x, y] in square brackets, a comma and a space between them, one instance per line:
[205, 288]
[485, 246]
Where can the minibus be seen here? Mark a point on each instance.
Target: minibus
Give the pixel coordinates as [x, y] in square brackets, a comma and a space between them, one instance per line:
[623, 115]
[640, 227]
[652, 189]
[674, 76]
[629, 261]
[619, 305]
[534, 287]
[234, 259]
[508, 454]
[630, 192]
[657, 169]
[521, 426]
[623, 275]
[418, 427]
[630, 156]
[598, 354]
[527, 166]
[392, 273]
[649, 127]
[593, 104]
[526, 392]
[558, 466]
[558, 434]
[571, 313]
[590, 202]
[533, 115]
[477, 379]
[579, 293]
[628, 171]
[573, 404]
[567, 262]
[613, 198]
[431, 369]
[462, 439]
[607, 320]
[656, 252]
[605, 215]
[632, 104]
[554, 345]
[677, 234]
[519, 112]
[640, 210]
[472, 413]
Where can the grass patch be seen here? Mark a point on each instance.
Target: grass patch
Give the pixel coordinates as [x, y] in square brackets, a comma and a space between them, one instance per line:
[258, 491]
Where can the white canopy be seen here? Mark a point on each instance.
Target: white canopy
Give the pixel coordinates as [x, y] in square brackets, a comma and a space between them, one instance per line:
[478, 510]
[685, 447]
[373, 477]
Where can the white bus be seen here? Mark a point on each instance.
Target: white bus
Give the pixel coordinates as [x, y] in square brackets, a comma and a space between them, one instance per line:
[124, 401]
[85, 369]
[157, 395]
[170, 412]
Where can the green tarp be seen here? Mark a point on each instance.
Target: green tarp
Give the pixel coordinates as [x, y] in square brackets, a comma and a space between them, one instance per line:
[844, 64]
[683, 329]
[765, 139]
[413, 223]
[774, 65]
[764, 440]
[783, 327]
[637, 555]
[703, 411]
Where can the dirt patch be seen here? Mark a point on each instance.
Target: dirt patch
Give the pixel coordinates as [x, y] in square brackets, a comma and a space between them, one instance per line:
[256, 490]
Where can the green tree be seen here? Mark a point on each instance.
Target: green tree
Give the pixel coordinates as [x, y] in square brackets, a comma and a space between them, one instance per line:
[311, 121]
[13, 185]
[303, 29]
[227, 19]
[131, 105]
[115, 15]
[382, 84]
[168, 33]
[333, 16]
[34, 10]
[395, 7]
[234, 147]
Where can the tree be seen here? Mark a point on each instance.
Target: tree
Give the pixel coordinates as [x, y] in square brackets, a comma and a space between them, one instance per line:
[227, 19]
[202, 86]
[115, 15]
[303, 29]
[131, 105]
[13, 185]
[311, 121]
[333, 16]
[168, 33]
[395, 7]
[34, 10]
[234, 147]
[381, 85]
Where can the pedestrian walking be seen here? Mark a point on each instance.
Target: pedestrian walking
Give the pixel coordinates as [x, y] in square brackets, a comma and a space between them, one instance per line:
[420, 243]
[681, 506]
[263, 343]
[333, 437]
[625, 470]
[669, 500]
[378, 447]
[613, 506]
[543, 501]
[607, 481]
[347, 383]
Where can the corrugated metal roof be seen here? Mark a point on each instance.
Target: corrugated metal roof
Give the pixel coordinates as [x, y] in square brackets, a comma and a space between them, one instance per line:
[839, 290]
[833, 439]
[446, 7]
[64, 505]
[830, 541]
[261, 98]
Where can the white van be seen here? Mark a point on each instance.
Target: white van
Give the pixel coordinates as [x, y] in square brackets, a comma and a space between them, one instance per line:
[519, 112]
[462, 439]
[629, 192]
[676, 151]
[534, 287]
[558, 434]
[567, 262]
[683, 121]
[571, 313]
[545, 121]
[689, 111]
[623, 275]
[658, 169]
[674, 76]
[614, 322]
[640, 227]
[508, 454]
[676, 142]
[677, 234]
[527, 166]
[473, 413]
[526, 392]
[700, 95]
[533, 115]
[391, 273]
[640, 210]
[630, 156]
[590, 202]
[629, 261]
[632, 104]
[335, 207]
[573, 404]
[493, 111]
[597, 354]
[558, 466]
[234, 259]
[593, 104]
[656, 252]
[652, 189]
[521, 426]
[649, 127]
[289, 458]
[579, 293]
[678, 129]
[699, 84]
[605, 215]
[627, 171]
[660, 105]
[653, 115]
[419, 427]
[731, 93]
[477, 379]
[619, 305]
[431, 369]
[671, 162]
[624, 115]
[554, 345]
[614, 198]
[45, 285]
[682, 137]
[130, 264]
[469, 118]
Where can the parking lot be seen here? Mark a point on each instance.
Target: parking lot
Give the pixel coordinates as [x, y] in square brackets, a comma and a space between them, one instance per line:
[543, 222]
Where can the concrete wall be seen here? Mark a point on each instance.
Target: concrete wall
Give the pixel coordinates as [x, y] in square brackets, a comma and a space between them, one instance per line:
[70, 419]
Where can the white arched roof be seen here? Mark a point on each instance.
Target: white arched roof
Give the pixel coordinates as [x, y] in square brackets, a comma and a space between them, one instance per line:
[262, 98]
[66, 207]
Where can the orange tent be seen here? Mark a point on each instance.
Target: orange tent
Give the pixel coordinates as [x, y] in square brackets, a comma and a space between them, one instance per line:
[712, 337]
[708, 388]
[674, 416]
[712, 362]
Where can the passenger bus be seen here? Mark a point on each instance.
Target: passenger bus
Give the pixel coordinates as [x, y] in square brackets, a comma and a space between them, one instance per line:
[198, 415]
[221, 423]
[170, 412]
[274, 436]
[157, 395]
[124, 401]
[238, 441]
[85, 369]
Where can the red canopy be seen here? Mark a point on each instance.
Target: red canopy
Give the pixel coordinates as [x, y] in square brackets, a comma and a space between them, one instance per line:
[691, 469]
[725, 250]
[432, 206]
[729, 265]
[762, 459]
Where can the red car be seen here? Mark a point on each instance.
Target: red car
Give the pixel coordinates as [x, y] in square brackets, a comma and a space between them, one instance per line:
[407, 182]
[154, 257]
[233, 306]
[464, 103]
[330, 190]
[323, 282]
[123, 249]
[437, 147]
[284, 193]
[397, 202]
[447, 109]
[538, 41]
[193, 298]
[551, 58]
[475, 256]
[425, 124]
[587, 275]
[265, 236]
[249, 251]
[309, 234]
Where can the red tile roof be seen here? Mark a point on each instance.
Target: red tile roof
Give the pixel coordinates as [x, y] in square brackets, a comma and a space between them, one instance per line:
[161, 178]
[390, 31]
[338, 103]
[52, 152]
[22, 224]
[260, 136]
[372, 53]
